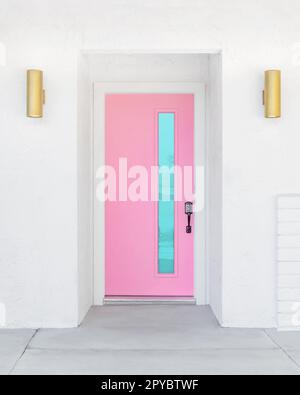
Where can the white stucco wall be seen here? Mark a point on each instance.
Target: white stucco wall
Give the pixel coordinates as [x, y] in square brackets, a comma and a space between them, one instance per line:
[85, 186]
[38, 158]
[141, 67]
[214, 186]
[38, 209]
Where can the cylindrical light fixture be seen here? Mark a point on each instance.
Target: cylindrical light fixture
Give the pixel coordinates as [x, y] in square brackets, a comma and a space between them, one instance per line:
[272, 94]
[35, 94]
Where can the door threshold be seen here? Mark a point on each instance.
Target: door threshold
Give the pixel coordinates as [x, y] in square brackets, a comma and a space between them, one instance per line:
[114, 300]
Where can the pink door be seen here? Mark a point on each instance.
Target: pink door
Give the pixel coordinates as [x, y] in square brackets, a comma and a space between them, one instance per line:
[150, 156]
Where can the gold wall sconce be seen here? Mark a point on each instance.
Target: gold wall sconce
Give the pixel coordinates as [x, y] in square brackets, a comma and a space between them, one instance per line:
[35, 94]
[272, 94]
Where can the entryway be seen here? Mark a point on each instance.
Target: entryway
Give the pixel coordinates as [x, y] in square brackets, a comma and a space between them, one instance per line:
[144, 133]
[195, 75]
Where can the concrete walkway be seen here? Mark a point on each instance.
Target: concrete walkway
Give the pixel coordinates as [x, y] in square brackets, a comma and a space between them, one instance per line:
[149, 340]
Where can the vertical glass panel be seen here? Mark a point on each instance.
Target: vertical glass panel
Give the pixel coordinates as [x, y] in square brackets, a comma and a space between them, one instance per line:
[166, 149]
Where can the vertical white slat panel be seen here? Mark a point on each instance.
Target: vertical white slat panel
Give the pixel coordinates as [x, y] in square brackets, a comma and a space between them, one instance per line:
[289, 215]
[289, 241]
[289, 228]
[289, 254]
[289, 202]
[289, 281]
[289, 268]
[288, 262]
[288, 295]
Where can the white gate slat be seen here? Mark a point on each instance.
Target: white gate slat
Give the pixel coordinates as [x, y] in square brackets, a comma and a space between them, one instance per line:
[288, 262]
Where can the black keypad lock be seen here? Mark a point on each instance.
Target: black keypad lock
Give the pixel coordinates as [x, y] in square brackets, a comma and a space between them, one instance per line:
[189, 213]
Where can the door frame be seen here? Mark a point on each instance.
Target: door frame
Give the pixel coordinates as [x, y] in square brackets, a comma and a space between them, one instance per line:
[200, 250]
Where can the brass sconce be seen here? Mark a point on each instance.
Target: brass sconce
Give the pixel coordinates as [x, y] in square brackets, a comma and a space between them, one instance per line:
[272, 94]
[35, 94]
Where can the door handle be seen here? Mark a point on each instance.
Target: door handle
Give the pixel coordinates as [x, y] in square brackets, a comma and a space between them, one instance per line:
[189, 213]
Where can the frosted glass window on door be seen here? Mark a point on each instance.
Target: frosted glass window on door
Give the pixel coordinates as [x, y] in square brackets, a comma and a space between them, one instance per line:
[166, 205]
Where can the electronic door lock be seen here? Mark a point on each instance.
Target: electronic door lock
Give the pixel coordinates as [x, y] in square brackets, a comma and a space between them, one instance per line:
[189, 213]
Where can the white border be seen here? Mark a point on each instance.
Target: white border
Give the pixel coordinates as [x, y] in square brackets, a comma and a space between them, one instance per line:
[200, 234]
